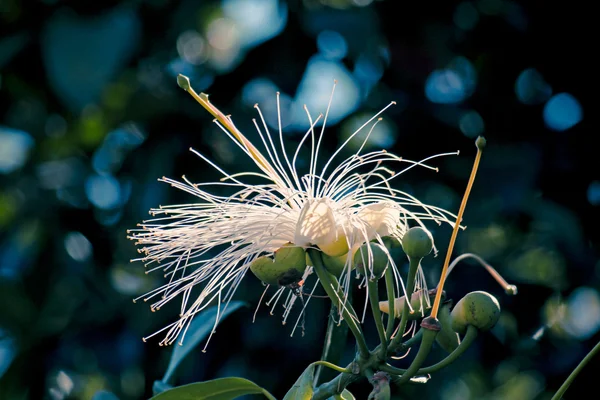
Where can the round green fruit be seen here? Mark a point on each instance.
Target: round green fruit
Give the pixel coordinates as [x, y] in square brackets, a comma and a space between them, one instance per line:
[417, 242]
[479, 309]
[377, 264]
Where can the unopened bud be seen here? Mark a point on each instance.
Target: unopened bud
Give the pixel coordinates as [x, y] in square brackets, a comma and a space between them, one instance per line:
[417, 242]
[479, 309]
[371, 258]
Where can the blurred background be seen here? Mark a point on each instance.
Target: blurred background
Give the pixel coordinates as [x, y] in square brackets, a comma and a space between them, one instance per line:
[91, 115]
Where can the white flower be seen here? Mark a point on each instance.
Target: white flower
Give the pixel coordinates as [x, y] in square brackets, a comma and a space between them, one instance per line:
[213, 241]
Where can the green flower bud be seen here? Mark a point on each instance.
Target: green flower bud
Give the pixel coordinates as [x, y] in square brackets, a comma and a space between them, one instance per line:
[447, 338]
[479, 309]
[379, 261]
[335, 265]
[417, 242]
[287, 267]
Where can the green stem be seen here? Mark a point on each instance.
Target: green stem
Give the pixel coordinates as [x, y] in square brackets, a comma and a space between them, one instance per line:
[575, 372]
[374, 300]
[347, 311]
[390, 369]
[410, 286]
[333, 347]
[368, 373]
[391, 294]
[426, 344]
[334, 386]
[469, 338]
[333, 366]
[412, 341]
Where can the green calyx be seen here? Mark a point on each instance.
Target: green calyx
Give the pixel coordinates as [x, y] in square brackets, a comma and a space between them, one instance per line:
[417, 242]
[479, 309]
[374, 261]
[285, 269]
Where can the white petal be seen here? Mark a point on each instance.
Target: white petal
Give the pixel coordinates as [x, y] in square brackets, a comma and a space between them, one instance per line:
[316, 224]
[382, 218]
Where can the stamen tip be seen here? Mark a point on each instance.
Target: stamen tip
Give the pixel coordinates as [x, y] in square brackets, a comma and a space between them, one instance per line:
[480, 143]
[393, 103]
[183, 82]
[511, 290]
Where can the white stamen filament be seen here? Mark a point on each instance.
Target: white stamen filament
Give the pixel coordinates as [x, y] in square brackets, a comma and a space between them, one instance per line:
[212, 243]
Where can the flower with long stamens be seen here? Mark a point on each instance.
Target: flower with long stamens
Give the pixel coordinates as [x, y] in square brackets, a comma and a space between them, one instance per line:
[205, 248]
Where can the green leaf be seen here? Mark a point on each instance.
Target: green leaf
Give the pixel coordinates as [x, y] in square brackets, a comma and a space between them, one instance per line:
[217, 389]
[345, 395]
[303, 388]
[200, 327]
